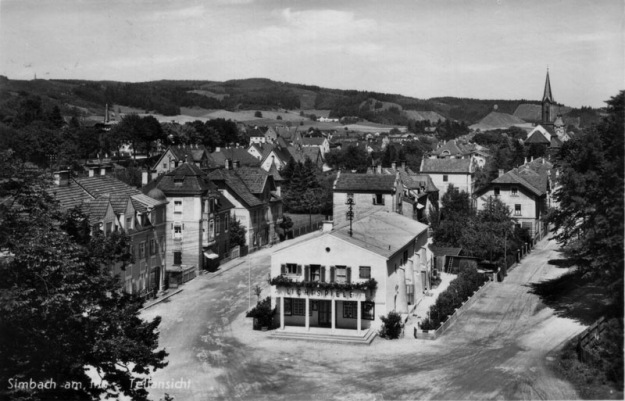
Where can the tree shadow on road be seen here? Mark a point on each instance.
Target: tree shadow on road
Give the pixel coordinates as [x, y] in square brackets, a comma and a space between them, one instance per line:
[572, 296]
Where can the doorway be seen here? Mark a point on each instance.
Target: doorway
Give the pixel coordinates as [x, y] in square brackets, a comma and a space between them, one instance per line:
[325, 313]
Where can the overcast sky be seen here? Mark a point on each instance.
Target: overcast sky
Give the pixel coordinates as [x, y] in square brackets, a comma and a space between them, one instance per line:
[491, 49]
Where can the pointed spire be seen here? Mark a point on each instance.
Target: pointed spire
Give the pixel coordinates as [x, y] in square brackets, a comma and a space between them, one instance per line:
[547, 96]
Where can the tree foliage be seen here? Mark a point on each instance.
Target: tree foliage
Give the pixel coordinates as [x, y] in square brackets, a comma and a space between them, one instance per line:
[589, 219]
[62, 312]
[351, 157]
[237, 233]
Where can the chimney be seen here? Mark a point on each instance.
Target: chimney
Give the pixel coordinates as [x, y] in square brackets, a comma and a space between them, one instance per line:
[144, 177]
[61, 178]
[102, 171]
[228, 164]
[500, 172]
[531, 158]
[525, 160]
[379, 169]
[327, 225]
[91, 172]
[394, 165]
[217, 149]
[403, 166]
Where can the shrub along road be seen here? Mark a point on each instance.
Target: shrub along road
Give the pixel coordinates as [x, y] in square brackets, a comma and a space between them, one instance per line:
[498, 349]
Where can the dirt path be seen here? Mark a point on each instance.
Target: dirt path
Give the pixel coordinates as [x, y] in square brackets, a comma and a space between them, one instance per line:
[497, 350]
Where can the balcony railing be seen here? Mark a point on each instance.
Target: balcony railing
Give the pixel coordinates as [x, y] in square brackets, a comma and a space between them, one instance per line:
[283, 281]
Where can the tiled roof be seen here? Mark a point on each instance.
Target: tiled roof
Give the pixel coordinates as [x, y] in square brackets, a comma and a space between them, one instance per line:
[235, 154]
[273, 171]
[534, 176]
[409, 178]
[447, 166]
[224, 204]
[95, 209]
[537, 137]
[254, 179]
[191, 152]
[186, 179]
[312, 141]
[71, 195]
[300, 154]
[231, 180]
[365, 183]
[382, 232]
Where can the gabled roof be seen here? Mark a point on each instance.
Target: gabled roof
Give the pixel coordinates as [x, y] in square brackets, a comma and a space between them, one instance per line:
[533, 176]
[447, 166]
[186, 180]
[233, 181]
[254, 179]
[312, 141]
[538, 138]
[382, 232]
[71, 195]
[497, 120]
[409, 178]
[301, 153]
[106, 186]
[365, 183]
[224, 204]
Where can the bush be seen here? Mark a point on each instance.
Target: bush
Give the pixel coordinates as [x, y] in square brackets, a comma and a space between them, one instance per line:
[392, 327]
[258, 114]
[262, 313]
[459, 290]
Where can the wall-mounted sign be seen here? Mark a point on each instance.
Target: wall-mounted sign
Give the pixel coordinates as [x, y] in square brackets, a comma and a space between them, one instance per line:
[318, 293]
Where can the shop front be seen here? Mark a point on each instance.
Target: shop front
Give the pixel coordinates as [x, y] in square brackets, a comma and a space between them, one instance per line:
[329, 309]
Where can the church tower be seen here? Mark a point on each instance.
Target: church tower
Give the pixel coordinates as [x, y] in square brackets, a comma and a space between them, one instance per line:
[547, 117]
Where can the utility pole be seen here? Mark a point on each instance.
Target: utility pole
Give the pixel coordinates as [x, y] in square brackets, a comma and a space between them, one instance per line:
[350, 211]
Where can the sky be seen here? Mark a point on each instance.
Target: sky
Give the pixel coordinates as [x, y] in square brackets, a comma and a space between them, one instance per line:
[487, 49]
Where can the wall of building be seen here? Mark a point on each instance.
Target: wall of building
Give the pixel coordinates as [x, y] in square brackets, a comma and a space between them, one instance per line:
[363, 205]
[191, 242]
[463, 182]
[531, 206]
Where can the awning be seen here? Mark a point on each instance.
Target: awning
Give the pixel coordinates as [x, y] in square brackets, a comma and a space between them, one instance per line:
[211, 255]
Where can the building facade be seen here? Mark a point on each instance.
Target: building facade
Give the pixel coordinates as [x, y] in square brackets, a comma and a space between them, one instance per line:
[341, 280]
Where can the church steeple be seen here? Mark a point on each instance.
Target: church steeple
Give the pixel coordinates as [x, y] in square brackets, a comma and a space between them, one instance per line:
[547, 96]
[547, 115]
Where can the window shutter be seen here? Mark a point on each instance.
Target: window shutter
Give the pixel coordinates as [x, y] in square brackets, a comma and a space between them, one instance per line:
[307, 273]
[331, 274]
[282, 269]
[323, 274]
[348, 274]
[299, 270]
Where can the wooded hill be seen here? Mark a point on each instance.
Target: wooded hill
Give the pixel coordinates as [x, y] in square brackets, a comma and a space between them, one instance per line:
[167, 97]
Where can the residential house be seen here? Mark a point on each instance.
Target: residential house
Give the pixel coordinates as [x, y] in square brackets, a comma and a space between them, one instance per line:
[111, 206]
[175, 155]
[419, 192]
[320, 142]
[369, 193]
[257, 203]
[325, 285]
[526, 190]
[446, 172]
[239, 154]
[197, 219]
[460, 150]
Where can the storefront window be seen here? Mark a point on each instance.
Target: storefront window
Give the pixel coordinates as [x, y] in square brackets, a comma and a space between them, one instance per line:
[288, 307]
[349, 309]
[299, 306]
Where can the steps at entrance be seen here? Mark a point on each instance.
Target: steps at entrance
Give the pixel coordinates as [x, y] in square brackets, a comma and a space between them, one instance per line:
[366, 339]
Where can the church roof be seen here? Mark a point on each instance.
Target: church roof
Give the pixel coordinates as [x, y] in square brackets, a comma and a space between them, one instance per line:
[547, 96]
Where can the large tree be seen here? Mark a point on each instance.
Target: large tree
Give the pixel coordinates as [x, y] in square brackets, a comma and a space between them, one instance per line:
[589, 219]
[63, 317]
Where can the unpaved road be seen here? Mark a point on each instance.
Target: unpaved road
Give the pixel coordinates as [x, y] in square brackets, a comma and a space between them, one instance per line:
[498, 349]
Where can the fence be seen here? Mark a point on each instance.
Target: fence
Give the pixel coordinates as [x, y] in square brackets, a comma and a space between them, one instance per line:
[587, 337]
[298, 231]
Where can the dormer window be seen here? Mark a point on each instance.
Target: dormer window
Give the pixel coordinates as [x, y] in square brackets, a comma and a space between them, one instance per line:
[178, 181]
[514, 191]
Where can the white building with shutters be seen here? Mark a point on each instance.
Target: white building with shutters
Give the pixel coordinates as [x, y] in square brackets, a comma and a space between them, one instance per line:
[325, 284]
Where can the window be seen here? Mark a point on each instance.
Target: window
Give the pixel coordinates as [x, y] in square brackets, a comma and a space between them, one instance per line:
[299, 306]
[315, 273]
[178, 181]
[141, 250]
[177, 231]
[288, 306]
[349, 310]
[152, 247]
[128, 223]
[496, 191]
[291, 269]
[517, 209]
[226, 218]
[378, 199]
[164, 166]
[161, 241]
[132, 250]
[217, 225]
[211, 229]
[109, 228]
[178, 206]
[514, 191]
[341, 274]
[405, 257]
[365, 272]
[445, 178]
[177, 258]
[368, 311]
